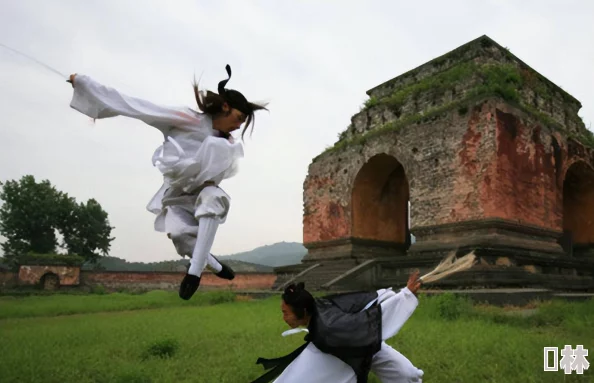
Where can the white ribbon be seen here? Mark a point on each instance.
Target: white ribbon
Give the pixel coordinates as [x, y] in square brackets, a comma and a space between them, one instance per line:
[295, 331]
[376, 299]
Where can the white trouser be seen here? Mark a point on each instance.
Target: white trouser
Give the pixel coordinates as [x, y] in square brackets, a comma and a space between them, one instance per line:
[192, 223]
[390, 366]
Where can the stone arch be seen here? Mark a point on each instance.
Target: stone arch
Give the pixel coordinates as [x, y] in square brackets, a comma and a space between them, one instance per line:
[380, 200]
[578, 206]
[49, 281]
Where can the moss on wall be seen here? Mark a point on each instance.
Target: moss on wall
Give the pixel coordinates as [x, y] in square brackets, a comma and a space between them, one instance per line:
[33, 259]
[504, 81]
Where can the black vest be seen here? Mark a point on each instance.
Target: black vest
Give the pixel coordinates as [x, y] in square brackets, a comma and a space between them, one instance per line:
[338, 327]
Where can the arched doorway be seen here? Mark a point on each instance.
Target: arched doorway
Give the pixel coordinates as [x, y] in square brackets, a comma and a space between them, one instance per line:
[578, 207]
[380, 201]
[50, 281]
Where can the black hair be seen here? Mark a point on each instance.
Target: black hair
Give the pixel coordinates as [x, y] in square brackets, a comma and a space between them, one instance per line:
[212, 103]
[300, 300]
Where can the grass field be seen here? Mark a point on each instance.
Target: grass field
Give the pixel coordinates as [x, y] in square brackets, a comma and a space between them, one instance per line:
[156, 337]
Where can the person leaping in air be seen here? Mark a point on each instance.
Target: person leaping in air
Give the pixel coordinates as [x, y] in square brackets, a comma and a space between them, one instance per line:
[198, 153]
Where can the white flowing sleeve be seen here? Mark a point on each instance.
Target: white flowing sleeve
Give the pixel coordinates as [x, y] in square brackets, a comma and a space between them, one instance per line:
[396, 309]
[99, 101]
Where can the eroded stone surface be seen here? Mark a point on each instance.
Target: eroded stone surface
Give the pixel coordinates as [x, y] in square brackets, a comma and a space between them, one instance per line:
[485, 159]
[32, 275]
[171, 280]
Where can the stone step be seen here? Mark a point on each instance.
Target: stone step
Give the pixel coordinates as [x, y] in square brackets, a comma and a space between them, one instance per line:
[498, 297]
[280, 280]
[286, 273]
[325, 273]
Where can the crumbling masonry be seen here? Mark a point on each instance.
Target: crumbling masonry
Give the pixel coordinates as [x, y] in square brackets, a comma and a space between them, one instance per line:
[491, 156]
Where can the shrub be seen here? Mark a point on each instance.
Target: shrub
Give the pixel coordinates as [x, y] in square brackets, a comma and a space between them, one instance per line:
[450, 306]
[165, 348]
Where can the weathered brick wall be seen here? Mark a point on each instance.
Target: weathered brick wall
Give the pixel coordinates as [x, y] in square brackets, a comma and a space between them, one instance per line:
[171, 280]
[450, 159]
[326, 199]
[464, 158]
[530, 169]
[31, 275]
[493, 161]
[531, 89]
[8, 279]
[578, 202]
[443, 161]
[523, 177]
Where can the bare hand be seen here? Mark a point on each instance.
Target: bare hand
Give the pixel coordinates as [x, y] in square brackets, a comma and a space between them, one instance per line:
[71, 79]
[414, 283]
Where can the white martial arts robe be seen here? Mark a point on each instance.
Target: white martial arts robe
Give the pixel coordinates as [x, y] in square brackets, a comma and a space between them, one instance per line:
[192, 153]
[314, 366]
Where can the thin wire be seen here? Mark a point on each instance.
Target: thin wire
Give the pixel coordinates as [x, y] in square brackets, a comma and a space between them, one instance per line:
[63, 76]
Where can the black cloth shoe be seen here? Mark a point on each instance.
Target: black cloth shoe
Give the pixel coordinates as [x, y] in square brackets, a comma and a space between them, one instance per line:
[226, 272]
[188, 286]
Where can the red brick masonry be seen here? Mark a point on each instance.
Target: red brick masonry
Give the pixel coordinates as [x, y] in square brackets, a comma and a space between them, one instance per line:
[149, 280]
[171, 280]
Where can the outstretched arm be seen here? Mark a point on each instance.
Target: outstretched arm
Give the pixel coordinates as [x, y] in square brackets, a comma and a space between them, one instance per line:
[398, 307]
[99, 101]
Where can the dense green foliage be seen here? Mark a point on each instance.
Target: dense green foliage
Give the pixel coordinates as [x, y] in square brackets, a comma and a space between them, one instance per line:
[32, 213]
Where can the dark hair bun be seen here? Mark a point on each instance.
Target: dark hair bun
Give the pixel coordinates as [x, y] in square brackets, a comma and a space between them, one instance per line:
[294, 289]
[299, 299]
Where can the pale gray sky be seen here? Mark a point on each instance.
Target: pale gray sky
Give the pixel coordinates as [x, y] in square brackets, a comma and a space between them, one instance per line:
[312, 60]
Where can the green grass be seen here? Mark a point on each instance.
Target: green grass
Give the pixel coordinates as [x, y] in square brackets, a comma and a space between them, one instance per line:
[207, 342]
[65, 304]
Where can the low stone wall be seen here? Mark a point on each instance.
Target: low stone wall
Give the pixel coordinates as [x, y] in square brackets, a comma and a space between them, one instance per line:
[31, 275]
[8, 279]
[115, 280]
[130, 280]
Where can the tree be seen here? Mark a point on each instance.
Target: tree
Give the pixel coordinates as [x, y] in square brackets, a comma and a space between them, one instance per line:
[26, 217]
[86, 230]
[32, 213]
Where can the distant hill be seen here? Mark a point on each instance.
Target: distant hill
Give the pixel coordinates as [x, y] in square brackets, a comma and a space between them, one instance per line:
[260, 259]
[118, 264]
[278, 254]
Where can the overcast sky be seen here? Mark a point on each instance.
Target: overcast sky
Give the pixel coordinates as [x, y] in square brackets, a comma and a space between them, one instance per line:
[312, 60]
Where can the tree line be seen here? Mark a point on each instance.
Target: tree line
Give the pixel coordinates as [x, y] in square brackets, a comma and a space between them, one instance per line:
[34, 215]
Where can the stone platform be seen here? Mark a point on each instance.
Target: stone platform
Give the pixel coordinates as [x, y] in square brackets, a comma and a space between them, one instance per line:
[496, 297]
